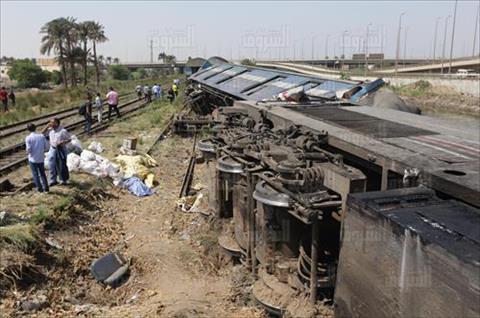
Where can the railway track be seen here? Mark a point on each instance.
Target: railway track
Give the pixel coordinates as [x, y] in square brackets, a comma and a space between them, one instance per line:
[19, 127]
[12, 157]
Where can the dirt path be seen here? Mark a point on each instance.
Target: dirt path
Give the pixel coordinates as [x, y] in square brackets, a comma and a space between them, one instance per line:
[168, 274]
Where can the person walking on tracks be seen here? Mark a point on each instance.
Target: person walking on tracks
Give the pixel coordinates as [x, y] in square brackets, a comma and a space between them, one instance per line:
[147, 92]
[86, 111]
[36, 145]
[99, 107]
[175, 89]
[170, 95]
[12, 97]
[57, 155]
[112, 101]
[4, 99]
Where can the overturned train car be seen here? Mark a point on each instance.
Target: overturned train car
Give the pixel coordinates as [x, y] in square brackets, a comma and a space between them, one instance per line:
[373, 212]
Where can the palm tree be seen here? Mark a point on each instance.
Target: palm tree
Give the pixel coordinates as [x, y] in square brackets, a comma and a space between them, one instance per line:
[109, 60]
[97, 35]
[116, 60]
[71, 51]
[55, 33]
[84, 32]
[162, 56]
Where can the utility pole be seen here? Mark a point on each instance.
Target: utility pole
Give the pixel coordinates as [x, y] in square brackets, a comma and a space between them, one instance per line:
[366, 49]
[151, 51]
[435, 39]
[326, 50]
[343, 48]
[398, 41]
[405, 46]
[382, 28]
[476, 27]
[444, 42]
[453, 35]
[313, 45]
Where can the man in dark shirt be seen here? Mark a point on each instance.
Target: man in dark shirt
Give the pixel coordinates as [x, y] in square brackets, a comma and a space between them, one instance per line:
[88, 116]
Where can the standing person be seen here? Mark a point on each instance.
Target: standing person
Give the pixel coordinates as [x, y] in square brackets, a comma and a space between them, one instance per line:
[88, 116]
[170, 95]
[160, 91]
[138, 89]
[175, 89]
[155, 91]
[147, 93]
[36, 145]
[57, 155]
[99, 107]
[112, 101]
[12, 96]
[4, 99]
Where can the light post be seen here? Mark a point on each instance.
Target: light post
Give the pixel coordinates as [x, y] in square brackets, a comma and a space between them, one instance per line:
[366, 49]
[398, 41]
[405, 46]
[326, 50]
[435, 39]
[453, 36]
[476, 27]
[444, 42]
[343, 48]
[313, 46]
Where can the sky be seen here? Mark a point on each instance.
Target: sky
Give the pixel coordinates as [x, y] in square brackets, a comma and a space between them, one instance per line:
[262, 30]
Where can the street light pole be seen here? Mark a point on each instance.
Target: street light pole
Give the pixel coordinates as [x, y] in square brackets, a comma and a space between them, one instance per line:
[444, 42]
[435, 39]
[453, 35]
[476, 27]
[343, 48]
[398, 41]
[366, 49]
[313, 46]
[405, 46]
[326, 50]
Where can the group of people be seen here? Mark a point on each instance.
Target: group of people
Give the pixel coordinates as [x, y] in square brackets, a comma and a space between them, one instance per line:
[37, 144]
[58, 137]
[86, 109]
[5, 96]
[156, 91]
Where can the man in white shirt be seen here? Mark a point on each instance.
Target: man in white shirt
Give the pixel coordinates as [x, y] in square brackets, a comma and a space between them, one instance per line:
[36, 145]
[57, 155]
[155, 91]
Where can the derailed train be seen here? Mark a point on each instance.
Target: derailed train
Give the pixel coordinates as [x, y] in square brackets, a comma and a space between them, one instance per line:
[315, 216]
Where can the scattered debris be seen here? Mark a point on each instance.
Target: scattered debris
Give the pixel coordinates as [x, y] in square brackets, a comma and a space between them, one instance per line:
[137, 187]
[110, 269]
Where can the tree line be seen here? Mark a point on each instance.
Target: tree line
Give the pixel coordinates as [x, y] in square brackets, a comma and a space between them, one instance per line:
[74, 44]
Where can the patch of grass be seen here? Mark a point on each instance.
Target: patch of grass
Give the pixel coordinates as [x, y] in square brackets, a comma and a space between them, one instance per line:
[41, 216]
[20, 235]
[419, 88]
[34, 103]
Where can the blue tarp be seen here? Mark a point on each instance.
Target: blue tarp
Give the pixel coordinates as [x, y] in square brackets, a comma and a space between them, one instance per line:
[137, 187]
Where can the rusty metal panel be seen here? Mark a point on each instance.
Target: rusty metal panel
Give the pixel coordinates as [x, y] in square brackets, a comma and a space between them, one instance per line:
[405, 253]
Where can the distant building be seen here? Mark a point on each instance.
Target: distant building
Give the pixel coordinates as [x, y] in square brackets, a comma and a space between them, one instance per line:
[4, 72]
[48, 64]
[193, 65]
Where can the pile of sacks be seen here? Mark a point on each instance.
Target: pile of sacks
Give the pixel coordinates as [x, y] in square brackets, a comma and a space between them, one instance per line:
[130, 172]
[94, 164]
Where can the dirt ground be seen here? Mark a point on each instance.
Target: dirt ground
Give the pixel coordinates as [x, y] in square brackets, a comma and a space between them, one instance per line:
[176, 267]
